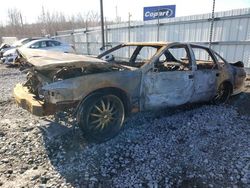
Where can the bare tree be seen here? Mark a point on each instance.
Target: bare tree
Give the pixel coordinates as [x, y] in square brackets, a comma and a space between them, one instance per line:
[14, 17]
[93, 18]
[47, 23]
[15, 21]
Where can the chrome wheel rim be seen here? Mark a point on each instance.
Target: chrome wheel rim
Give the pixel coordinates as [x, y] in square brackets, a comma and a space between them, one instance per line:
[105, 113]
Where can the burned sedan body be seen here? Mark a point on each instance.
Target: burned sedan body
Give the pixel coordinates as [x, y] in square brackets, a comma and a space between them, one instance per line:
[128, 77]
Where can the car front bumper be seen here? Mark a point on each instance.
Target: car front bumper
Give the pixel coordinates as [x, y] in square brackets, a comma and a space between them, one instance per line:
[27, 100]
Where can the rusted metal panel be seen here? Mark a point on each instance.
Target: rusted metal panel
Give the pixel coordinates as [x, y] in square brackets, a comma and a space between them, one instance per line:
[205, 85]
[162, 89]
[79, 87]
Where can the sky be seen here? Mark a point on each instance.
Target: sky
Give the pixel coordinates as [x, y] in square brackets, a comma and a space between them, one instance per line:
[31, 9]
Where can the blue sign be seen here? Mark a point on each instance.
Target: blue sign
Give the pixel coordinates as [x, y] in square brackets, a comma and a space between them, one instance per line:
[159, 12]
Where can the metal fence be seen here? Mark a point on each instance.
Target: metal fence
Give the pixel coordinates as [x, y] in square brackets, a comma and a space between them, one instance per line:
[231, 33]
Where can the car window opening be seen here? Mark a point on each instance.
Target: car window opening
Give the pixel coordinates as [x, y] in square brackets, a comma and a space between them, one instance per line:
[204, 59]
[174, 59]
[132, 56]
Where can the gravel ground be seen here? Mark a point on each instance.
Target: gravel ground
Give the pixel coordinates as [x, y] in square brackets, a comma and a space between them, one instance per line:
[193, 146]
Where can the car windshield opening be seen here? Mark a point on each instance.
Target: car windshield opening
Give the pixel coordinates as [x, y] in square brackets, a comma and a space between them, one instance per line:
[133, 56]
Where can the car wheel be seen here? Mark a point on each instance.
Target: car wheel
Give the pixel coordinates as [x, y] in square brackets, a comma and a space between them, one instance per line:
[101, 117]
[223, 93]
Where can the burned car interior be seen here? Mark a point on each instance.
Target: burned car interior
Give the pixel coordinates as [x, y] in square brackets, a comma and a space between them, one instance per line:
[175, 58]
[204, 59]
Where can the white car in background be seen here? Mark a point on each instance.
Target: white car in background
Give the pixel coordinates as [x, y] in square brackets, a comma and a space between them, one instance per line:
[23, 41]
[10, 56]
[5, 47]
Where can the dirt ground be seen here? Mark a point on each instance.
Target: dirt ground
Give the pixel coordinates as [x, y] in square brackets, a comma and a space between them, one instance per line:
[200, 145]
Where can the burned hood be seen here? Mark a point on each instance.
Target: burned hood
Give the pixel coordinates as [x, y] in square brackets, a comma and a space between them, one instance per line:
[49, 60]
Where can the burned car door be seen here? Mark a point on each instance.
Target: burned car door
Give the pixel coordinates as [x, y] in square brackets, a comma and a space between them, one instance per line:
[206, 74]
[171, 81]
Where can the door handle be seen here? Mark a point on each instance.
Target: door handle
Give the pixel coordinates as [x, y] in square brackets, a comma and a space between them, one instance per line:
[191, 76]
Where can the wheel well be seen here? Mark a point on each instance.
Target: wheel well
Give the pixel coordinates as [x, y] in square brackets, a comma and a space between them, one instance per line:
[115, 91]
[229, 84]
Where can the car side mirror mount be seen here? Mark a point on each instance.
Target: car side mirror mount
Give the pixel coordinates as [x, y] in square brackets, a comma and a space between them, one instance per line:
[109, 57]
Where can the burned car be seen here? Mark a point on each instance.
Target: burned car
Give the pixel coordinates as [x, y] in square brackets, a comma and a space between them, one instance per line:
[127, 78]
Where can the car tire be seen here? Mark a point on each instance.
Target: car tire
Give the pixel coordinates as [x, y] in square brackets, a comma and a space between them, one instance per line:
[223, 93]
[101, 116]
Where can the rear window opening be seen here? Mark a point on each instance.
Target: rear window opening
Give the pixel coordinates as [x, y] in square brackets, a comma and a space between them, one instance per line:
[204, 59]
